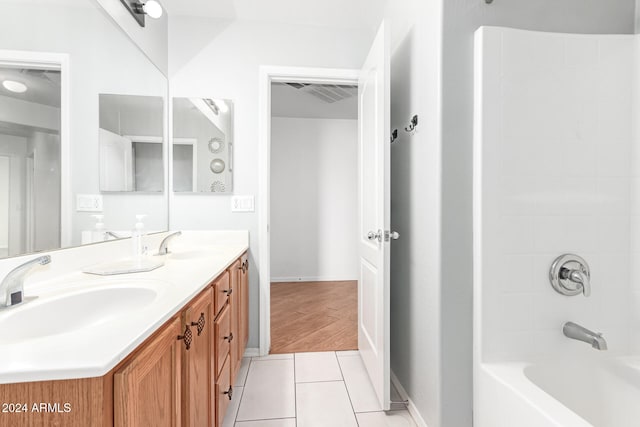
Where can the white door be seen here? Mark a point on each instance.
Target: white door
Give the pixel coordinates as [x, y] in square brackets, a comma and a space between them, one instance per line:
[116, 162]
[374, 167]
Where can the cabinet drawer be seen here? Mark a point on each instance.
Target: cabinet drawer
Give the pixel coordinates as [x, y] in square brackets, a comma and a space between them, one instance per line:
[223, 338]
[221, 288]
[224, 392]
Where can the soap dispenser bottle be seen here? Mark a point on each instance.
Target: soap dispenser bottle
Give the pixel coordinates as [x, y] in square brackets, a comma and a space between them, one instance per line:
[98, 232]
[136, 237]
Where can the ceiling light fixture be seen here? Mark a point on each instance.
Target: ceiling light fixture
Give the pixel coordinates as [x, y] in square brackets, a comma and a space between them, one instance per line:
[139, 9]
[222, 106]
[14, 86]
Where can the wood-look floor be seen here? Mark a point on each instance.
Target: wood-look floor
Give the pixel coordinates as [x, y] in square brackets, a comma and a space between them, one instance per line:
[314, 316]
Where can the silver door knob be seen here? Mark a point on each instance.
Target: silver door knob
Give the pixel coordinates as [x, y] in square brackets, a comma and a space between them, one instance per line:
[372, 235]
[391, 235]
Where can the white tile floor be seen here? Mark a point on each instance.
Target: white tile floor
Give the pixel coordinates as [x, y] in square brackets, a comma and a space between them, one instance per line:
[329, 389]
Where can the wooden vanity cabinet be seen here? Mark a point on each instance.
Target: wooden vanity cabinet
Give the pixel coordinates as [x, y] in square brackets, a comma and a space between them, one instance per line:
[147, 389]
[182, 375]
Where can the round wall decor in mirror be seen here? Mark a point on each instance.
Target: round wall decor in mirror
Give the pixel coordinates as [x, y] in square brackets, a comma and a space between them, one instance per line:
[217, 187]
[216, 145]
[217, 166]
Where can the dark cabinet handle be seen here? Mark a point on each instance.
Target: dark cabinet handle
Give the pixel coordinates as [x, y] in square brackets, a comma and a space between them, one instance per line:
[187, 337]
[228, 291]
[200, 323]
[244, 266]
[230, 337]
[229, 392]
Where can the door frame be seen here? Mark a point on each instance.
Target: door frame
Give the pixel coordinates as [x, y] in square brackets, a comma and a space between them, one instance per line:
[269, 75]
[54, 61]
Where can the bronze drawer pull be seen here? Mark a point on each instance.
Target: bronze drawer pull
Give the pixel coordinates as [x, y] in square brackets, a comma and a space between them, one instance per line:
[229, 392]
[187, 337]
[200, 323]
[230, 337]
[228, 291]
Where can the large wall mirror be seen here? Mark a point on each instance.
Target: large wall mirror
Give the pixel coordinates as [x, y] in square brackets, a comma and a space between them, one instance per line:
[202, 145]
[56, 59]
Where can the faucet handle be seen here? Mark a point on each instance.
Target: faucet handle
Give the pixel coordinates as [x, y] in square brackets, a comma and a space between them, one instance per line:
[581, 277]
[570, 275]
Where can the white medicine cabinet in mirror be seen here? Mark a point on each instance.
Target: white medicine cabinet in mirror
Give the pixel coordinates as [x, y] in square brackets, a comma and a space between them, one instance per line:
[202, 145]
[56, 59]
[131, 138]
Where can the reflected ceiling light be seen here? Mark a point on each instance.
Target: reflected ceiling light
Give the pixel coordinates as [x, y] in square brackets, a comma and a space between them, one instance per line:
[152, 8]
[222, 105]
[14, 86]
[139, 9]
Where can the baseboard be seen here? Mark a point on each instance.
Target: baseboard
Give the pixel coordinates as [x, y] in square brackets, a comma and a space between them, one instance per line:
[311, 279]
[415, 414]
[251, 352]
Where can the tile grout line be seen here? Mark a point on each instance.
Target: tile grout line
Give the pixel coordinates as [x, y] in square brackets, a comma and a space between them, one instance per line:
[347, 389]
[244, 384]
[295, 390]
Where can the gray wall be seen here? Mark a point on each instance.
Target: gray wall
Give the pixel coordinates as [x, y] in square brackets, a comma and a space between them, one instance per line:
[415, 202]
[461, 19]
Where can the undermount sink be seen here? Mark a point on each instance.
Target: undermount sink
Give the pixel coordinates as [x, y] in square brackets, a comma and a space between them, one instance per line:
[47, 316]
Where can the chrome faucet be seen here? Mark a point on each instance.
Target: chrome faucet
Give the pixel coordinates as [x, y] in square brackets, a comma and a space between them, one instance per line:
[577, 332]
[11, 287]
[570, 275]
[164, 245]
[112, 234]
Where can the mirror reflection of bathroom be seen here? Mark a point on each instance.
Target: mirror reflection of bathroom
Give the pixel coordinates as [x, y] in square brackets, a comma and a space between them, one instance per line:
[131, 143]
[202, 145]
[30, 101]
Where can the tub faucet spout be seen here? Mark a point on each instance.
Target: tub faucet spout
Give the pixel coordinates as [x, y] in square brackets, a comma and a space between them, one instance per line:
[577, 332]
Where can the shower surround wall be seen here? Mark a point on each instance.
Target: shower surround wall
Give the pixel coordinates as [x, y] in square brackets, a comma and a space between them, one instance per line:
[556, 171]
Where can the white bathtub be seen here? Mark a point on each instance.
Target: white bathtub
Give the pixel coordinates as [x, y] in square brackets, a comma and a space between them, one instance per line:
[598, 393]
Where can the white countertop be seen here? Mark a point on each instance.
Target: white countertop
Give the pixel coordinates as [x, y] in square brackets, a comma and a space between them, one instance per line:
[96, 347]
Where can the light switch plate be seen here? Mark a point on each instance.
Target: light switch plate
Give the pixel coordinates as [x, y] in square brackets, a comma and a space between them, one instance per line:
[243, 204]
[89, 203]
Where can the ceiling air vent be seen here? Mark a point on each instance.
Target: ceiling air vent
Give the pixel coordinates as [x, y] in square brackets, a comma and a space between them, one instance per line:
[327, 93]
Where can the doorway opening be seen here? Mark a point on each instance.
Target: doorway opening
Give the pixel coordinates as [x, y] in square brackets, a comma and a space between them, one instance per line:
[314, 217]
[269, 76]
[32, 141]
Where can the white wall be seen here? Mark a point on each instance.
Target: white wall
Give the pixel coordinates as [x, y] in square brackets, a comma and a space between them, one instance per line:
[314, 203]
[553, 175]
[29, 113]
[227, 66]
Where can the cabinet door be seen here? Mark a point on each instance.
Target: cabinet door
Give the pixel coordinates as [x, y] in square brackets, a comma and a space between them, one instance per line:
[223, 338]
[234, 301]
[222, 290]
[244, 303]
[197, 362]
[147, 389]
